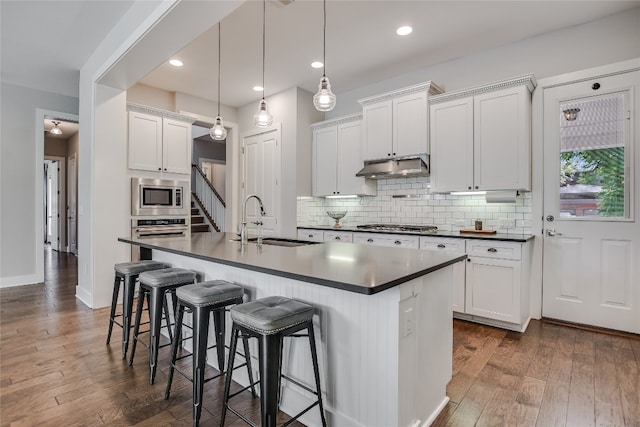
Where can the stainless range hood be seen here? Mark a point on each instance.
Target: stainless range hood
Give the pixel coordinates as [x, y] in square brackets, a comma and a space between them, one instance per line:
[400, 167]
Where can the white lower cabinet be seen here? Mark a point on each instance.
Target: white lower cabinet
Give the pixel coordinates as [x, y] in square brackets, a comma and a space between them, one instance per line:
[338, 236]
[395, 240]
[310, 235]
[455, 245]
[493, 288]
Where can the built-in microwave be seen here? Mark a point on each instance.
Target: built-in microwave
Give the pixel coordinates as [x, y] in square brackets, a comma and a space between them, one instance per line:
[154, 197]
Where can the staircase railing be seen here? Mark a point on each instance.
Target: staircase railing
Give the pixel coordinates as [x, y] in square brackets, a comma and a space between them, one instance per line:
[210, 201]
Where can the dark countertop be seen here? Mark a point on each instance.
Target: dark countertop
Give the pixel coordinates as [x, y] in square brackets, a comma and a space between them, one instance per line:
[507, 237]
[357, 268]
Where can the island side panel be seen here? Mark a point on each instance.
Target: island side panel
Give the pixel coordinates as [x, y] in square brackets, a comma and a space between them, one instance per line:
[357, 340]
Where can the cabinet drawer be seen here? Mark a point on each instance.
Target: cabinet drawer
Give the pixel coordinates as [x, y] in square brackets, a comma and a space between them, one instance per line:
[395, 240]
[440, 243]
[488, 249]
[338, 236]
[311, 235]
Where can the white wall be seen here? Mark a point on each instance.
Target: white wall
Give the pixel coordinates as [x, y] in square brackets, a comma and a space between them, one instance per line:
[612, 39]
[19, 180]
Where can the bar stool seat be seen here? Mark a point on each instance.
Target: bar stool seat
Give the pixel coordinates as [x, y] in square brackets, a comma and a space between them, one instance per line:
[127, 273]
[155, 285]
[270, 320]
[202, 299]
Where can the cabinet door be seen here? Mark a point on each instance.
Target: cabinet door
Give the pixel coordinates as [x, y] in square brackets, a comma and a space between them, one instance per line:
[310, 235]
[145, 141]
[176, 146]
[350, 159]
[453, 245]
[451, 129]
[493, 288]
[502, 135]
[377, 130]
[325, 161]
[410, 124]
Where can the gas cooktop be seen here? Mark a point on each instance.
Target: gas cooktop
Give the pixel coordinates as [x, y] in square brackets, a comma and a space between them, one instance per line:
[399, 228]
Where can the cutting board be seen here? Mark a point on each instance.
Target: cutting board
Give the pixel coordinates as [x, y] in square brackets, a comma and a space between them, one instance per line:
[477, 231]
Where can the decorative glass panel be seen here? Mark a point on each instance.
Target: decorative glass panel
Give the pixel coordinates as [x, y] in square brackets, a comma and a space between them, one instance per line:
[593, 165]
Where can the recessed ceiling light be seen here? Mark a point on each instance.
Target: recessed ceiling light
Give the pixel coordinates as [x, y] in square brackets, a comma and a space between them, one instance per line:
[404, 30]
[258, 88]
[317, 64]
[176, 63]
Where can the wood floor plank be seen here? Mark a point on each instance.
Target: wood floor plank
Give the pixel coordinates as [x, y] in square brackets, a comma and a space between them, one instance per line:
[56, 370]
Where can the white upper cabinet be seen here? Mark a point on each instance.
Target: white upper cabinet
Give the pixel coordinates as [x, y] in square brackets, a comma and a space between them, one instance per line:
[159, 143]
[481, 137]
[395, 124]
[337, 156]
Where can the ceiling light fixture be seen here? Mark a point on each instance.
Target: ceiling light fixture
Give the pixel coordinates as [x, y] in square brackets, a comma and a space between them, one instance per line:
[263, 118]
[324, 99]
[570, 114]
[404, 30]
[55, 129]
[218, 132]
[176, 63]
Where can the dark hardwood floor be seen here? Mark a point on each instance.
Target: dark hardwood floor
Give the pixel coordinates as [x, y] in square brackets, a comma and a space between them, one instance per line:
[55, 370]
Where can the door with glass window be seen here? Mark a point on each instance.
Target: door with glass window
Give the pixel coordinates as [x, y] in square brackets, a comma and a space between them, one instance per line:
[591, 256]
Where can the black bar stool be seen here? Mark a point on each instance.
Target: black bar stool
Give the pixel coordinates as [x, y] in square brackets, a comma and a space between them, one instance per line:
[202, 299]
[127, 273]
[156, 285]
[270, 320]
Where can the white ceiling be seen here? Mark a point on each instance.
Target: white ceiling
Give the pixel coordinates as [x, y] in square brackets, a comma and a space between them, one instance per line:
[362, 46]
[45, 43]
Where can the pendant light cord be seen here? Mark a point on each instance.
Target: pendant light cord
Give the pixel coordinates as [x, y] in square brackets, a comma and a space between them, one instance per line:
[324, 38]
[264, 20]
[219, 56]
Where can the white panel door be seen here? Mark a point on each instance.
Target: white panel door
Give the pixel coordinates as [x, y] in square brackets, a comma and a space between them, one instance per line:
[72, 192]
[410, 124]
[53, 194]
[452, 146]
[325, 161]
[591, 191]
[176, 146]
[262, 177]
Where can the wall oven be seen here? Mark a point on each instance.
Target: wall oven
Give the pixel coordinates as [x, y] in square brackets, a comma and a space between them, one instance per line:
[142, 229]
[159, 197]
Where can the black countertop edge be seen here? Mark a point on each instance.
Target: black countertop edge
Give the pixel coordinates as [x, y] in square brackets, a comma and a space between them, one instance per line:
[506, 237]
[301, 277]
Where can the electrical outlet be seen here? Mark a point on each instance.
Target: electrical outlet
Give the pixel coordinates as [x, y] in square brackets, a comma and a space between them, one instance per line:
[409, 319]
[507, 223]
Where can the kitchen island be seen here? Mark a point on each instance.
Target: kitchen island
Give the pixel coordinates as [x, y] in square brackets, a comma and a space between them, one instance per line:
[383, 324]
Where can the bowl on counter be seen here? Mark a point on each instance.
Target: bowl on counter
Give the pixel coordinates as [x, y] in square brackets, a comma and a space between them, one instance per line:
[337, 215]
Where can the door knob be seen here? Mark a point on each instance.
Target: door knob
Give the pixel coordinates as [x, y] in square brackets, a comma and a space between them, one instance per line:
[552, 232]
[550, 218]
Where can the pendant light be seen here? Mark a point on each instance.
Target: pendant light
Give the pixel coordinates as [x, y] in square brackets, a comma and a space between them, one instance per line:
[263, 118]
[324, 99]
[218, 132]
[55, 129]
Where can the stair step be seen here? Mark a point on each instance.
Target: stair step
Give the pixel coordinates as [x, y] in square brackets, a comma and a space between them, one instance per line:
[195, 211]
[199, 228]
[197, 219]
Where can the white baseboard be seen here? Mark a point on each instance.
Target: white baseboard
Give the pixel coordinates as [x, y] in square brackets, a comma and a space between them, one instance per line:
[31, 279]
[435, 413]
[84, 296]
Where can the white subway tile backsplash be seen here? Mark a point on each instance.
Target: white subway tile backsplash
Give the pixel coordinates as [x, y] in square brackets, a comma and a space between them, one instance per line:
[438, 209]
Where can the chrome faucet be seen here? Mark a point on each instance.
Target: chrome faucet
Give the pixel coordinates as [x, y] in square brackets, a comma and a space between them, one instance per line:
[243, 229]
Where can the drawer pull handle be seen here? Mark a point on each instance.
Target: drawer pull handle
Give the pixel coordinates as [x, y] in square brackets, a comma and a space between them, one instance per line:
[337, 237]
[310, 236]
[492, 250]
[440, 245]
[370, 240]
[397, 242]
